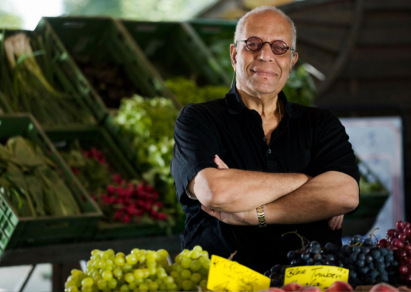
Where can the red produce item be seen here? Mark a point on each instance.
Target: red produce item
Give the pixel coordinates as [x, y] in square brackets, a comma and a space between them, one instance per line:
[309, 289]
[339, 286]
[273, 289]
[383, 287]
[292, 287]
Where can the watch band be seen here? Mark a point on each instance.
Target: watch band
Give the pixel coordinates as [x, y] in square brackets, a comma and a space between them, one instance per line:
[261, 216]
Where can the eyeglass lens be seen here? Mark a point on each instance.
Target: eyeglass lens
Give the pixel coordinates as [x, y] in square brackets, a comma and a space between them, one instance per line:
[255, 44]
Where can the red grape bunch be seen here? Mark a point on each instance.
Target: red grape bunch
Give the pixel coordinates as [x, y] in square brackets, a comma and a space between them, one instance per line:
[399, 240]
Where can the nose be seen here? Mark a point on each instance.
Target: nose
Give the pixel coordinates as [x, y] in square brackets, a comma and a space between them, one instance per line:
[266, 54]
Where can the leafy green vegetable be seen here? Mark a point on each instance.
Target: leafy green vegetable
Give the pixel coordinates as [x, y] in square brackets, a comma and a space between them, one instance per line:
[186, 91]
[148, 123]
[31, 181]
[94, 174]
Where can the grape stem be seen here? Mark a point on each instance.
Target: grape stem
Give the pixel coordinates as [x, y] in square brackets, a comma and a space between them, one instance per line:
[232, 255]
[299, 235]
[372, 232]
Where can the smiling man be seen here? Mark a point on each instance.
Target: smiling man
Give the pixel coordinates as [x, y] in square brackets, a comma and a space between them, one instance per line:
[252, 167]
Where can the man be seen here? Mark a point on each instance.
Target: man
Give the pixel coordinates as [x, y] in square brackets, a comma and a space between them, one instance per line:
[252, 168]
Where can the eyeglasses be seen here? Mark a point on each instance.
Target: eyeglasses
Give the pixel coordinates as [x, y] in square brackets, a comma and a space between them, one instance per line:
[255, 44]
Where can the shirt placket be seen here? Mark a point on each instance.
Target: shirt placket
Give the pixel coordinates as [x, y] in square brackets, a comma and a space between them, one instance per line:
[271, 159]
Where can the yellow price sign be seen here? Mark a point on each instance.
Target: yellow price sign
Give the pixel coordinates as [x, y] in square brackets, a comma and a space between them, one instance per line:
[226, 275]
[319, 276]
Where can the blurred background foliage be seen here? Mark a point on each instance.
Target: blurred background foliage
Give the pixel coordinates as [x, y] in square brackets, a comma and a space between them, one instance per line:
[9, 16]
[26, 13]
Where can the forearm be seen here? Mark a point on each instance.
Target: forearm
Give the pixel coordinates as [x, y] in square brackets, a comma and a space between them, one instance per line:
[324, 196]
[234, 190]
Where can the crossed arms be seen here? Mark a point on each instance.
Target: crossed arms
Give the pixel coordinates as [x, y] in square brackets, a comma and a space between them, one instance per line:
[288, 198]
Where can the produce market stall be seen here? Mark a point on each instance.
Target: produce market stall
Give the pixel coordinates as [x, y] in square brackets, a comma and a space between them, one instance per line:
[363, 264]
[86, 152]
[114, 155]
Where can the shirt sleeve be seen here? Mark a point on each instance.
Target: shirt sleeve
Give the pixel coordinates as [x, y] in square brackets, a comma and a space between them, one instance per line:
[332, 150]
[194, 148]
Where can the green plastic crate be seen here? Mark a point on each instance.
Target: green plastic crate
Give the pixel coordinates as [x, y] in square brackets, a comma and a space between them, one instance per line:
[97, 40]
[61, 75]
[211, 30]
[19, 231]
[98, 137]
[7, 224]
[217, 35]
[175, 49]
[86, 39]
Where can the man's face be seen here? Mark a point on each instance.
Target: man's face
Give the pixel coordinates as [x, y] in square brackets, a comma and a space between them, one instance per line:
[262, 72]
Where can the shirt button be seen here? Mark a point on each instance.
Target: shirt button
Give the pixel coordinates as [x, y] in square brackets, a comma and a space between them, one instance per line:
[269, 151]
[265, 139]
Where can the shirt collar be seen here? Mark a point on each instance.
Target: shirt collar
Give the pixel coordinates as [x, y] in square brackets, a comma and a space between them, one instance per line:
[235, 105]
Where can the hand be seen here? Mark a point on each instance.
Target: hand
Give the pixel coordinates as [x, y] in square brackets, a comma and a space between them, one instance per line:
[335, 222]
[239, 218]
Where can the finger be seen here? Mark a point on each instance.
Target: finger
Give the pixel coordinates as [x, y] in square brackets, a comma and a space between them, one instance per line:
[340, 221]
[332, 223]
[220, 163]
[335, 223]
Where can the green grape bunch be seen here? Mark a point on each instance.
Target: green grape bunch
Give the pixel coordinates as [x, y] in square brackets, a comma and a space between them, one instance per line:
[141, 270]
[190, 269]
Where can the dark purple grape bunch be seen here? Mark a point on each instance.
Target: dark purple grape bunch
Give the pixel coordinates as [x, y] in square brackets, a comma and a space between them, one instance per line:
[368, 263]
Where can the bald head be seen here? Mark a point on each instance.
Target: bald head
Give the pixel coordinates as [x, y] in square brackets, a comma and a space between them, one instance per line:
[262, 9]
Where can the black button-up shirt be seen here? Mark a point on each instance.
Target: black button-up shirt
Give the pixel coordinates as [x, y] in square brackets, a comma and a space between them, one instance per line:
[308, 140]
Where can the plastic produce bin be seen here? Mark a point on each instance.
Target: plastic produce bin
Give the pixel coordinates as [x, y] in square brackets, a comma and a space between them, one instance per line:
[65, 89]
[217, 35]
[17, 231]
[102, 44]
[175, 49]
[99, 138]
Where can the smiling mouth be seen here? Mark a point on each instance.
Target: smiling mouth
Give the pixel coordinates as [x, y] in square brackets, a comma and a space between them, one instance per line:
[264, 72]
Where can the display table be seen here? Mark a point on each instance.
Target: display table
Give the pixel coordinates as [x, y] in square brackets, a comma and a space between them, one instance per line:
[64, 257]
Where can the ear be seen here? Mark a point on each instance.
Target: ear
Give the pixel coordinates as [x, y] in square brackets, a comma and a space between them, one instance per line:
[233, 56]
[294, 60]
